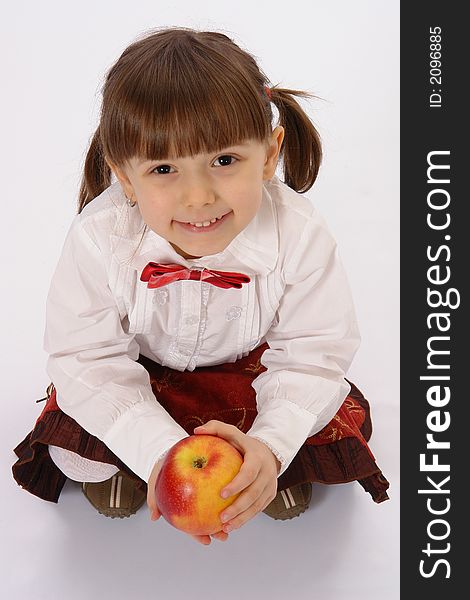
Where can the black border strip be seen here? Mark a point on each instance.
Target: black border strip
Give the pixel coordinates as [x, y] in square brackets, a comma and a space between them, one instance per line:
[434, 289]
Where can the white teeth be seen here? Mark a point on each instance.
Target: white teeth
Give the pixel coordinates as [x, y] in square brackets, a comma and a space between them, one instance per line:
[204, 223]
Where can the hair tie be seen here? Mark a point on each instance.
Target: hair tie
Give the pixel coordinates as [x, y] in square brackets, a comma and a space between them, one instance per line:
[268, 92]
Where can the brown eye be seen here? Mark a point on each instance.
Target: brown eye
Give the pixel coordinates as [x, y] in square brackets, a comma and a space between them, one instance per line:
[161, 167]
[224, 159]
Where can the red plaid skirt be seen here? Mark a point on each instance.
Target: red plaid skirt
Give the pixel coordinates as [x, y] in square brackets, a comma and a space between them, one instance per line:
[339, 453]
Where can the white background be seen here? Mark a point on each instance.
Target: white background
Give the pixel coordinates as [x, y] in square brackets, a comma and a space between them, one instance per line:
[54, 56]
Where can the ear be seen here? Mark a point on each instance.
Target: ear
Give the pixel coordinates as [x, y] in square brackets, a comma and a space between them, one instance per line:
[122, 178]
[272, 153]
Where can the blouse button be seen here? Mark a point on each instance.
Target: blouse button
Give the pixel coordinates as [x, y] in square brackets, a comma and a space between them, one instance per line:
[192, 320]
[233, 312]
[160, 296]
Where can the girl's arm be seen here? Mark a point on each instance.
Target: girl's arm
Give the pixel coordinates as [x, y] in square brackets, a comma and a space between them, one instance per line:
[312, 343]
[92, 360]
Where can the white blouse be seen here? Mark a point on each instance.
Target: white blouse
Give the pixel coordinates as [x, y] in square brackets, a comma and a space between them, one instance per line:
[100, 316]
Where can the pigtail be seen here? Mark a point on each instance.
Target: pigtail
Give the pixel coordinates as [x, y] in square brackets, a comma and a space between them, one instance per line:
[301, 150]
[96, 173]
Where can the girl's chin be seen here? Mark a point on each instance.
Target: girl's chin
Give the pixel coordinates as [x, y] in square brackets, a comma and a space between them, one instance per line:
[182, 252]
[189, 256]
[189, 253]
[198, 252]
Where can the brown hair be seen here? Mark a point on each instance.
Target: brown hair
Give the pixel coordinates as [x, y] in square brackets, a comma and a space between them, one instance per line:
[178, 92]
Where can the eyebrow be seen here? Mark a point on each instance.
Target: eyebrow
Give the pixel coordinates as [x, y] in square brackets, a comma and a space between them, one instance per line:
[243, 145]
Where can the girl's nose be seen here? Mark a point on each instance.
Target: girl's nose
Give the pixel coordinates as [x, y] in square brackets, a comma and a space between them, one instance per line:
[198, 195]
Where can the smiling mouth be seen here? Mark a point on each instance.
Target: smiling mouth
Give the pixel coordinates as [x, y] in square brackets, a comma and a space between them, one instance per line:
[204, 226]
[205, 223]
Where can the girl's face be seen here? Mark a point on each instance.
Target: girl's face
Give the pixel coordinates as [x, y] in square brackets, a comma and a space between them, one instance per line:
[226, 186]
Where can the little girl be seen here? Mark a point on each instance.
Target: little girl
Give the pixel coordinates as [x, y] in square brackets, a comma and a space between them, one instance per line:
[231, 311]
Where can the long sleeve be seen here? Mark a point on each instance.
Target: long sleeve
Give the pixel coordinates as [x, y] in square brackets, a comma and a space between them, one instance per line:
[92, 360]
[312, 342]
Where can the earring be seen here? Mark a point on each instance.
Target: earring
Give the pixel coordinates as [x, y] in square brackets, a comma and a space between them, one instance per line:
[129, 201]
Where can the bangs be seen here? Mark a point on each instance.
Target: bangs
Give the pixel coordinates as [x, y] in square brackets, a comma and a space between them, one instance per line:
[189, 101]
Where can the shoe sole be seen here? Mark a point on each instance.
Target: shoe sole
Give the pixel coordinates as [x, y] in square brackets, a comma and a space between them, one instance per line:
[110, 492]
[284, 507]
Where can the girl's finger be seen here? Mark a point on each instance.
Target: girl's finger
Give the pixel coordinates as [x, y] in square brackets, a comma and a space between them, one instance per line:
[155, 514]
[224, 430]
[220, 535]
[246, 475]
[202, 539]
[248, 514]
[251, 495]
[206, 539]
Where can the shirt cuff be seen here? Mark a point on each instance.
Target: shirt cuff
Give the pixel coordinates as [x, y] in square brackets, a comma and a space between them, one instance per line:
[283, 427]
[142, 436]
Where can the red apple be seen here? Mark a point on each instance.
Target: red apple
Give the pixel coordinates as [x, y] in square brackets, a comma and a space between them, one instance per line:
[188, 486]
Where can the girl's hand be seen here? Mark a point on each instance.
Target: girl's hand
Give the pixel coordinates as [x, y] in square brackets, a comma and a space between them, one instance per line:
[155, 513]
[257, 476]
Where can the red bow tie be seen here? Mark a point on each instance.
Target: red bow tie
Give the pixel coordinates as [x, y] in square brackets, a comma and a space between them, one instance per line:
[159, 275]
